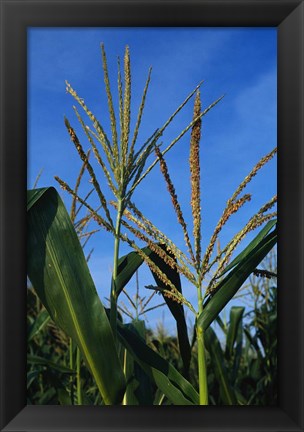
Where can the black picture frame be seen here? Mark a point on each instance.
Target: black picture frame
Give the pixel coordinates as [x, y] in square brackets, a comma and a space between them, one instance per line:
[16, 17]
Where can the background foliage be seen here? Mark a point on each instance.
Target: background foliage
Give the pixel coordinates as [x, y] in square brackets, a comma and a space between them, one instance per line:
[241, 350]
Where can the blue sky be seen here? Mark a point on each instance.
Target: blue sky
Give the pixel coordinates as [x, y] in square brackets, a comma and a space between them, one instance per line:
[237, 62]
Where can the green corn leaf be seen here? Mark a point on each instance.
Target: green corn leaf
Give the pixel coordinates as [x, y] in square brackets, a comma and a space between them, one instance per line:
[40, 322]
[236, 314]
[250, 247]
[238, 352]
[253, 342]
[129, 264]
[58, 271]
[177, 389]
[222, 325]
[176, 309]
[228, 287]
[217, 358]
[41, 361]
[33, 196]
[139, 388]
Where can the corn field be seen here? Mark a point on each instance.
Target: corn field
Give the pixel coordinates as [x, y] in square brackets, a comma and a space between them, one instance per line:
[84, 351]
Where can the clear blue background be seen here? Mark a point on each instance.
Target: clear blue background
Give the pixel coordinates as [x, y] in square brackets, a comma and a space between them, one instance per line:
[238, 62]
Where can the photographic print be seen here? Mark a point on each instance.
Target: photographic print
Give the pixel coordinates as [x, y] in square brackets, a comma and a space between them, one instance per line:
[151, 205]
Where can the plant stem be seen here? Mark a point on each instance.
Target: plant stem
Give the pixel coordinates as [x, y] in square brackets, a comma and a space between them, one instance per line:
[79, 393]
[202, 370]
[113, 297]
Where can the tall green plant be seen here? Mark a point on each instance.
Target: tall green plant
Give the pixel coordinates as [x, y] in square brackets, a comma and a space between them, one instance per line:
[122, 164]
[124, 168]
[196, 267]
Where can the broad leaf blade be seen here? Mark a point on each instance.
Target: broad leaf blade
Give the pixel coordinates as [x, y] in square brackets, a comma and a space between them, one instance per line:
[34, 195]
[127, 266]
[236, 314]
[176, 309]
[251, 246]
[177, 389]
[235, 279]
[218, 361]
[58, 271]
[139, 389]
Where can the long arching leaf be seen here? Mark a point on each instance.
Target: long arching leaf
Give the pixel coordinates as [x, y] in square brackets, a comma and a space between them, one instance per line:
[176, 309]
[139, 386]
[127, 266]
[58, 271]
[218, 362]
[177, 389]
[250, 247]
[236, 314]
[228, 287]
